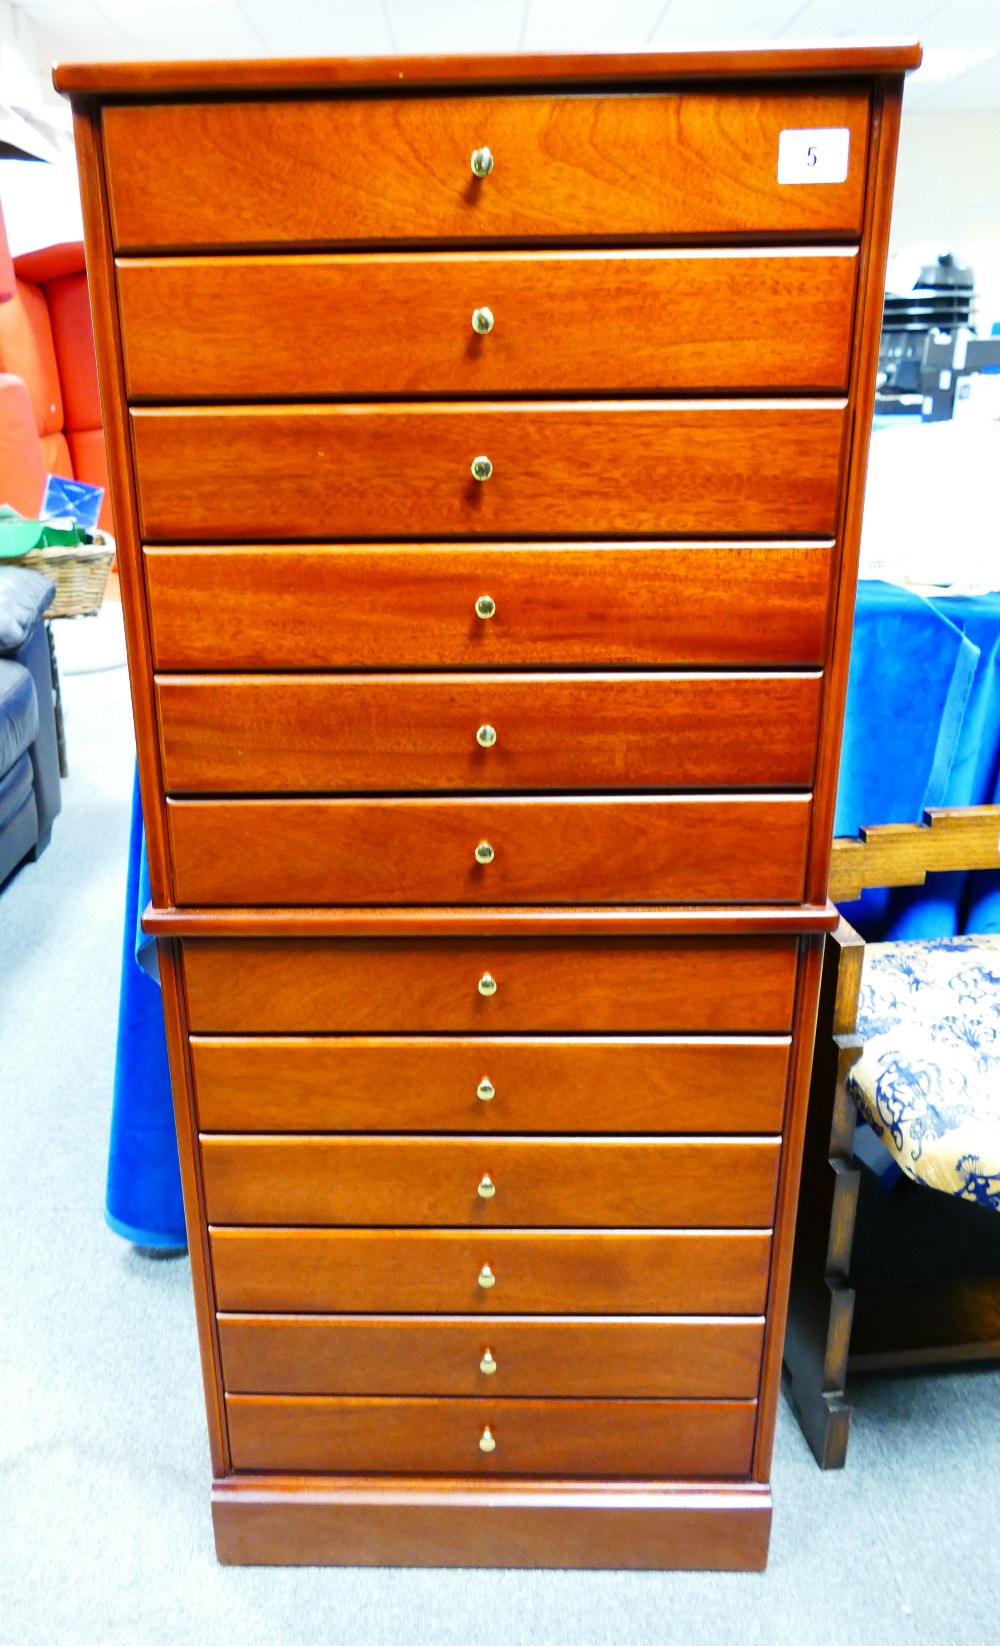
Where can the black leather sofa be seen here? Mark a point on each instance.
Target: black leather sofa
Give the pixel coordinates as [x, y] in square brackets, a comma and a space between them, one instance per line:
[29, 757]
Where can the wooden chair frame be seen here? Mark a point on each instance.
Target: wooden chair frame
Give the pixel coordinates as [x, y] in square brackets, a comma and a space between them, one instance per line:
[946, 1321]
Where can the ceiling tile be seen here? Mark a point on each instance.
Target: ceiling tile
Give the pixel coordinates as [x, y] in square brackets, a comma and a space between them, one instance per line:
[191, 29]
[978, 89]
[871, 19]
[80, 30]
[320, 28]
[963, 23]
[692, 21]
[445, 26]
[590, 25]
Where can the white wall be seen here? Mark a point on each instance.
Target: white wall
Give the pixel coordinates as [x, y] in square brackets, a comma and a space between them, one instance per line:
[948, 194]
[22, 74]
[40, 202]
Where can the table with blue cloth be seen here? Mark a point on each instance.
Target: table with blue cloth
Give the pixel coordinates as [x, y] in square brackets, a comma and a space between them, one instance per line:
[922, 729]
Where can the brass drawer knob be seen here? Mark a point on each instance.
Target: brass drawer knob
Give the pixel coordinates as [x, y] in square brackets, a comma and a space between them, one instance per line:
[486, 737]
[487, 984]
[486, 1277]
[482, 468]
[482, 321]
[486, 1091]
[486, 1441]
[486, 1187]
[485, 607]
[484, 852]
[482, 162]
[487, 1365]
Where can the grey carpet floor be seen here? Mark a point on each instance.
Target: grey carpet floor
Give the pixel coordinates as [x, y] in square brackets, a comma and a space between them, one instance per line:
[105, 1536]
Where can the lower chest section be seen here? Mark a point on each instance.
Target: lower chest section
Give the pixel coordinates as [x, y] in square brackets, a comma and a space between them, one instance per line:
[492, 1208]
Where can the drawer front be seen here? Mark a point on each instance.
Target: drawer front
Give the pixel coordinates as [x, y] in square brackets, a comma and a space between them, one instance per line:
[562, 322]
[387, 607]
[614, 1358]
[438, 1271]
[342, 170]
[568, 851]
[620, 468]
[310, 734]
[637, 1438]
[248, 986]
[363, 1084]
[502, 1182]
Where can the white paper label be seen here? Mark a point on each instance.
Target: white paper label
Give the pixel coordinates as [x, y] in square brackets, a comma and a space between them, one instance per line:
[817, 155]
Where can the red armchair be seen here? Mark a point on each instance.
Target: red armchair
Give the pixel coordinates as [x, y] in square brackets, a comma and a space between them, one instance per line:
[50, 420]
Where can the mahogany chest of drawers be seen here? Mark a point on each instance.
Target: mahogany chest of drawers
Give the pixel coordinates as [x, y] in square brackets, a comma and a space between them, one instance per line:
[488, 441]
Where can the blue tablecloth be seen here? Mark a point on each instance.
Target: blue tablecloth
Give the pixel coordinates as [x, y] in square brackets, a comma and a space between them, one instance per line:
[922, 729]
[143, 1201]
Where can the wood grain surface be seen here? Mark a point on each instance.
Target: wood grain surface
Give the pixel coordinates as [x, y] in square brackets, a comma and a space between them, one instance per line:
[391, 170]
[560, 469]
[778, 61]
[557, 605]
[219, 328]
[413, 1083]
[121, 487]
[615, 1357]
[887, 110]
[399, 1520]
[192, 1187]
[645, 1438]
[412, 1271]
[569, 850]
[566, 1182]
[588, 920]
[315, 734]
[247, 985]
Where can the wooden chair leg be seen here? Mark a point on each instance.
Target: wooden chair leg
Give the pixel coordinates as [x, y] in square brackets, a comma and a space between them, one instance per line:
[821, 1303]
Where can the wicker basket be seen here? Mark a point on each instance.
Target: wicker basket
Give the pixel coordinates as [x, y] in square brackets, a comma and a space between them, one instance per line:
[80, 574]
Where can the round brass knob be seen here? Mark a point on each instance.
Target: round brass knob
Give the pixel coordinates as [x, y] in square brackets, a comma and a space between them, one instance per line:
[486, 1188]
[487, 1365]
[482, 321]
[486, 737]
[487, 984]
[484, 852]
[482, 162]
[485, 607]
[486, 1277]
[486, 1441]
[482, 468]
[486, 1091]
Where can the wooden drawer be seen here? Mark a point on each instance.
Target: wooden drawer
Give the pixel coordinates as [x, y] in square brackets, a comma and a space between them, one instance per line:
[489, 1084]
[437, 1271]
[309, 734]
[588, 166]
[746, 849]
[385, 607]
[687, 984]
[617, 1358]
[621, 468]
[501, 1182]
[635, 1438]
[565, 322]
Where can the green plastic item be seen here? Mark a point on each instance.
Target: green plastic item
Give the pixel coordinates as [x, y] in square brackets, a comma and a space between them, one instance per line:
[19, 536]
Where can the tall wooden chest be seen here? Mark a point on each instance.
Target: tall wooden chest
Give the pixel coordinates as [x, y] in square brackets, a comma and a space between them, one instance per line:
[488, 440]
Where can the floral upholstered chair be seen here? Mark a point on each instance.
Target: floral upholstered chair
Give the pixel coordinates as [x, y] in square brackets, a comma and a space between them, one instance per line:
[908, 1040]
[928, 1080]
